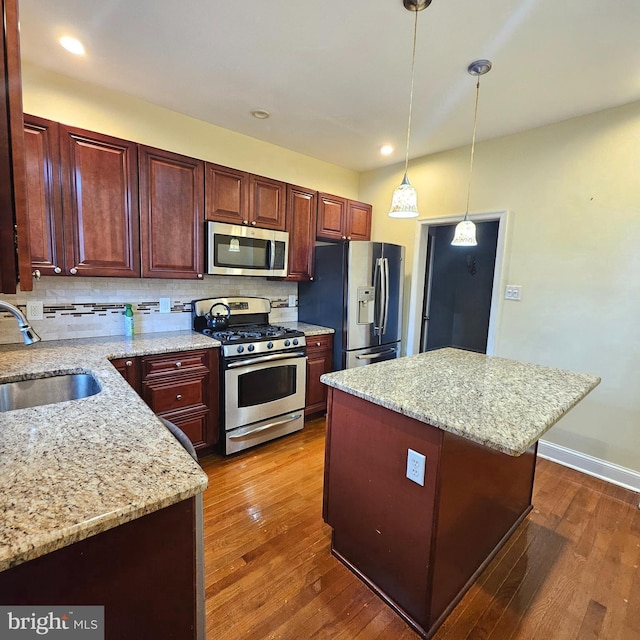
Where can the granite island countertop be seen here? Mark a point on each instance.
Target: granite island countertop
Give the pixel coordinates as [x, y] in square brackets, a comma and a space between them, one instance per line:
[503, 404]
[74, 469]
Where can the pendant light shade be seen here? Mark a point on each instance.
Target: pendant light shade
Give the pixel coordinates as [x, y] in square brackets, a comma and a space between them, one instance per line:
[465, 233]
[404, 202]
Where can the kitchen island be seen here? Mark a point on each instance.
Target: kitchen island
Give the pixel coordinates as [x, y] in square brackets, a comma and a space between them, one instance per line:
[476, 420]
[100, 503]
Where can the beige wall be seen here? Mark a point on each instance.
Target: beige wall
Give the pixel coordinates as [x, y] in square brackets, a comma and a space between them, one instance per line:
[574, 192]
[60, 98]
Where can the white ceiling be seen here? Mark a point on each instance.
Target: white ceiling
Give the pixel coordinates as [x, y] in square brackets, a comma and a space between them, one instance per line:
[335, 75]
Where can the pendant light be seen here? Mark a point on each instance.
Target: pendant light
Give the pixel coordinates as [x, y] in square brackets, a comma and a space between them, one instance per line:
[465, 234]
[404, 203]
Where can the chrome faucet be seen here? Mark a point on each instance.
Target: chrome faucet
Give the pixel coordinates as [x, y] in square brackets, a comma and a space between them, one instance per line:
[28, 334]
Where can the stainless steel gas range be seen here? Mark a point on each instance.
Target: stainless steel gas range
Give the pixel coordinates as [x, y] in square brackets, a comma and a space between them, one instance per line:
[262, 370]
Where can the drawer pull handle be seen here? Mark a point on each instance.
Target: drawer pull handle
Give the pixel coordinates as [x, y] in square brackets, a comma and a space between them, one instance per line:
[128, 363]
[179, 396]
[318, 344]
[178, 364]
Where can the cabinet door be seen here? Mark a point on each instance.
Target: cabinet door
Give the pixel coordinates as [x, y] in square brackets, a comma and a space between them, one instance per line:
[358, 221]
[13, 205]
[44, 197]
[332, 216]
[100, 204]
[267, 202]
[129, 369]
[227, 194]
[301, 225]
[319, 360]
[171, 213]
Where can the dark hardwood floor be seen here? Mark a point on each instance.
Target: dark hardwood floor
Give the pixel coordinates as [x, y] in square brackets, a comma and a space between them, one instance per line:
[569, 571]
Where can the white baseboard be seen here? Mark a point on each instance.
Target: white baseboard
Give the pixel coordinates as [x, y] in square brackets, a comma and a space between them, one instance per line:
[602, 469]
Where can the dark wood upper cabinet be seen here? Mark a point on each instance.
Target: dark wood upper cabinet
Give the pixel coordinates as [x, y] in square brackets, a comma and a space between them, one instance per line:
[227, 194]
[237, 197]
[302, 205]
[358, 220]
[342, 219]
[44, 196]
[100, 203]
[267, 203]
[171, 214]
[13, 205]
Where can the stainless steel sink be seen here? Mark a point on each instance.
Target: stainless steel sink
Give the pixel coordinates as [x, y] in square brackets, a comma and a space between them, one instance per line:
[34, 393]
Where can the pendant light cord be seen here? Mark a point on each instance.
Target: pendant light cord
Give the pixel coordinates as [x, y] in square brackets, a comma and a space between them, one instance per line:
[473, 147]
[413, 65]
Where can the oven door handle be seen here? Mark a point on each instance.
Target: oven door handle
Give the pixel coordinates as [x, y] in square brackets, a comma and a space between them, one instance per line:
[268, 358]
[264, 427]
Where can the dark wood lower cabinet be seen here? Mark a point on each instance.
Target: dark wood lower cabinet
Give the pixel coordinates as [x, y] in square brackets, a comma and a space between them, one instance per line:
[319, 361]
[144, 573]
[418, 547]
[182, 387]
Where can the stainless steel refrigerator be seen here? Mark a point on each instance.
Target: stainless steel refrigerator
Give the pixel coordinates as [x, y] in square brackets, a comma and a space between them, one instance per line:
[357, 291]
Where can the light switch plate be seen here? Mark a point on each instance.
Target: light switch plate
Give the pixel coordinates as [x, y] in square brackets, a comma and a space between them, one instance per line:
[35, 310]
[292, 300]
[165, 305]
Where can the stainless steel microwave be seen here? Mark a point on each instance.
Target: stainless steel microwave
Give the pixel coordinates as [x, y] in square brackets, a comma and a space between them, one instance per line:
[235, 250]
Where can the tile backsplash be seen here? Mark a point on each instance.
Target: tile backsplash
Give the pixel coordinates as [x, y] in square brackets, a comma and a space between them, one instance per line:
[87, 307]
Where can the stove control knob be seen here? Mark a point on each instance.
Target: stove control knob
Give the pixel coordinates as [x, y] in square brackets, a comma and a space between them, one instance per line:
[250, 347]
[240, 349]
[287, 343]
[295, 342]
[269, 345]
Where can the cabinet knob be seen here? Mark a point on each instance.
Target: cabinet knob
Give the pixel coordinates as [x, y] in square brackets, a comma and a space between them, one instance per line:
[73, 271]
[179, 396]
[245, 222]
[254, 223]
[344, 237]
[57, 270]
[311, 278]
[128, 363]
[318, 344]
[200, 276]
[348, 237]
[36, 274]
[178, 364]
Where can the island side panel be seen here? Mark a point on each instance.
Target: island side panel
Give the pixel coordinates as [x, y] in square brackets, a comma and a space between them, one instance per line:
[382, 521]
[484, 494]
[143, 572]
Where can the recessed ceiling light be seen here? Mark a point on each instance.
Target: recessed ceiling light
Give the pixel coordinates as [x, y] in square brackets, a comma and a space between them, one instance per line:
[261, 114]
[386, 149]
[72, 45]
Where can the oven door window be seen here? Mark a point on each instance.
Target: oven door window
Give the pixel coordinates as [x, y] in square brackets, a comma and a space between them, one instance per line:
[241, 253]
[266, 385]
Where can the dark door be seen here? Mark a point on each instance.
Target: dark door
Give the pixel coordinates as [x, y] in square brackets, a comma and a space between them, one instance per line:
[458, 289]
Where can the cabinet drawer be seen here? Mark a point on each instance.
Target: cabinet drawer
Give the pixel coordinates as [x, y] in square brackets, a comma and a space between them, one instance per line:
[170, 364]
[173, 394]
[319, 343]
[194, 424]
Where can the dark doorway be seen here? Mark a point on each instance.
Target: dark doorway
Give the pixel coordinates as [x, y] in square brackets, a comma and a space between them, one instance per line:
[458, 289]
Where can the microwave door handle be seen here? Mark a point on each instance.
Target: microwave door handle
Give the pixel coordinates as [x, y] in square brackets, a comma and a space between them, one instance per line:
[272, 254]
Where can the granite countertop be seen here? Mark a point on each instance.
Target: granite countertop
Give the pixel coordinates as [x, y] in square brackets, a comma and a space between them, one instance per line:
[502, 404]
[308, 329]
[74, 469]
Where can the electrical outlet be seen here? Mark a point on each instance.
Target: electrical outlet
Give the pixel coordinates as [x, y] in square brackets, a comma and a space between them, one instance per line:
[512, 292]
[416, 464]
[165, 305]
[35, 310]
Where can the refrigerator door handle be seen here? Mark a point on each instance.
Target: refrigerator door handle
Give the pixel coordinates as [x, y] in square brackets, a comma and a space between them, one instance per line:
[379, 302]
[385, 265]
